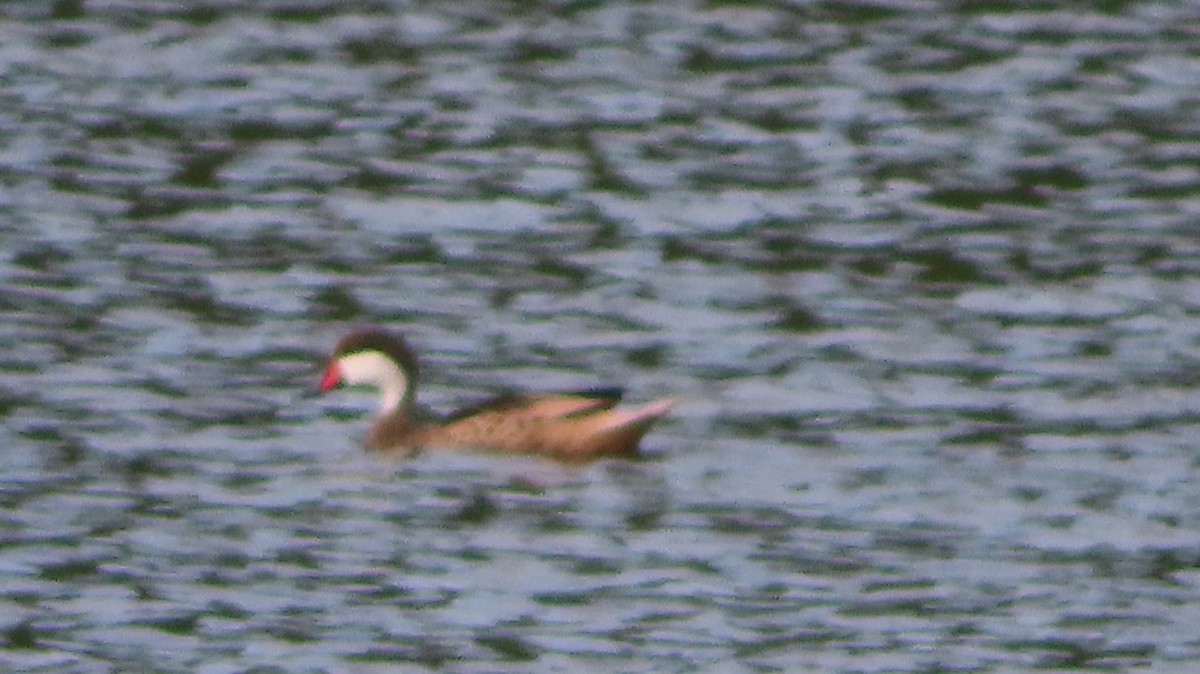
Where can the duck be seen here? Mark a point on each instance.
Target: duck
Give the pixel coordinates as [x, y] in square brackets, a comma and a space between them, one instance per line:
[568, 426]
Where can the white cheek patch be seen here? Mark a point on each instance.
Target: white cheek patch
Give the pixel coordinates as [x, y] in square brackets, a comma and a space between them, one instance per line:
[372, 368]
[366, 367]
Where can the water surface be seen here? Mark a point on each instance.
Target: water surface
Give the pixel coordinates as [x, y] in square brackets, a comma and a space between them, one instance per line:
[923, 276]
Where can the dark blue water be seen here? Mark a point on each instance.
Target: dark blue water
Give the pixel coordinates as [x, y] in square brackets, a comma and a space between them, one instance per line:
[924, 277]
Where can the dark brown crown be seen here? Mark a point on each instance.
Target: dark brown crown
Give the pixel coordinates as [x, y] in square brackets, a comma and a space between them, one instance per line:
[374, 339]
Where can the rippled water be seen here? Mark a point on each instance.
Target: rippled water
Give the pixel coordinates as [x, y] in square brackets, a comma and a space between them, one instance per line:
[925, 276]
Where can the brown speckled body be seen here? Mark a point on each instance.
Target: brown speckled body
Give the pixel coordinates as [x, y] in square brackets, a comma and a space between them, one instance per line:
[563, 426]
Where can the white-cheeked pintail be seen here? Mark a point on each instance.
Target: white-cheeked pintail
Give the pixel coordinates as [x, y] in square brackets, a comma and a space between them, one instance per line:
[573, 426]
